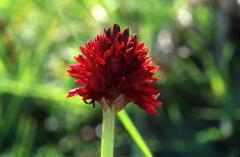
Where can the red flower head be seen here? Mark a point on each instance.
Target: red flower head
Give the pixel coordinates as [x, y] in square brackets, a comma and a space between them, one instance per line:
[114, 71]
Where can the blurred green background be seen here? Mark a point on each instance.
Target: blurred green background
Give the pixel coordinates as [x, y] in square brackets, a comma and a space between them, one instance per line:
[196, 43]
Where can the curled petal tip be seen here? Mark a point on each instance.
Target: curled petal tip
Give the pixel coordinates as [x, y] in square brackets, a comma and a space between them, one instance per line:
[153, 112]
[158, 104]
[116, 28]
[72, 92]
[125, 34]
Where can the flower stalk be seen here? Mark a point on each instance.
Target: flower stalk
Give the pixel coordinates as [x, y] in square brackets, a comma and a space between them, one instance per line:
[107, 143]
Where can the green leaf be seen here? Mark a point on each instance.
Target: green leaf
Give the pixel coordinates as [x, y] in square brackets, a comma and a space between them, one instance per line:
[132, 130]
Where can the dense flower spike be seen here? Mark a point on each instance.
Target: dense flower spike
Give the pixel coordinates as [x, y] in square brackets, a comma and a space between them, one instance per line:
[115, 69]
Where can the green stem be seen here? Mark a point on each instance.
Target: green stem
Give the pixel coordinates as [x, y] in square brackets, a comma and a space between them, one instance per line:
[108, 132]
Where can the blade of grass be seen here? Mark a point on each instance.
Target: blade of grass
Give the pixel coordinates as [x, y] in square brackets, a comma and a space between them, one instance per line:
[57, 7]
[25, 135]
[132, 130]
